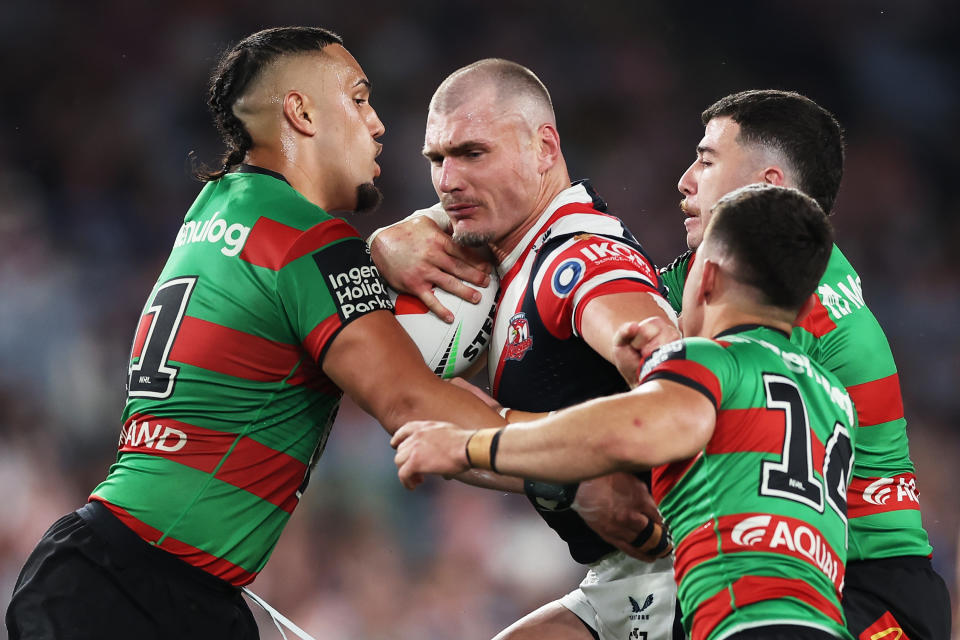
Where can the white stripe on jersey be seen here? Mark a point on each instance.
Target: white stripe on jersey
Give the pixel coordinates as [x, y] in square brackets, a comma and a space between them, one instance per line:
[587, 223]
[515, 278]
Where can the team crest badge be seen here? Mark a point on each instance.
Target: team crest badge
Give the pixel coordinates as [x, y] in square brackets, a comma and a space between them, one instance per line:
[518, 337]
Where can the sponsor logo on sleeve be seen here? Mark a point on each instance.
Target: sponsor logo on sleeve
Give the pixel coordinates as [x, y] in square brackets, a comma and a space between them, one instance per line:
[354, 283]
[602, 250]
[898, 489]
[671, 351]
[566, 276]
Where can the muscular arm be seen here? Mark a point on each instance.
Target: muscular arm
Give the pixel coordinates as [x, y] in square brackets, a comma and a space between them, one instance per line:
[376, 363]
[660, 422]
[604, 316]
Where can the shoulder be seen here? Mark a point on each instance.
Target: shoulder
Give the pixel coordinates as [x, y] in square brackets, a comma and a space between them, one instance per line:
[699, 363]
[681, 263]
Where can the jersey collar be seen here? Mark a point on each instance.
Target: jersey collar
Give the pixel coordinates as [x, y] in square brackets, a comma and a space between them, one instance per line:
[252, 168]
[740, 328]
[579, 192]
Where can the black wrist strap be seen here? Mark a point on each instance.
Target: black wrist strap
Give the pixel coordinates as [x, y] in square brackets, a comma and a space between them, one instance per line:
[550, 497]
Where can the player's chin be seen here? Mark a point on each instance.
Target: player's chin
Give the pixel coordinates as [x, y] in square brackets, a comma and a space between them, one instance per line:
[466, 237]
[369, 198]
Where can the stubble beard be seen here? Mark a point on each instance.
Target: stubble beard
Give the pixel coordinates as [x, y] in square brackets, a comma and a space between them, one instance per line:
[473, 239]
[369, 198]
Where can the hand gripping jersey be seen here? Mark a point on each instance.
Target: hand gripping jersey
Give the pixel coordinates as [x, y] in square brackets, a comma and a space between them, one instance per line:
[537, 359]
[759, 515]
[227, 406]
[845, 338]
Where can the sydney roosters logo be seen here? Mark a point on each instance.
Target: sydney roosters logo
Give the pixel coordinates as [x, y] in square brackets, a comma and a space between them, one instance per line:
[518, 337]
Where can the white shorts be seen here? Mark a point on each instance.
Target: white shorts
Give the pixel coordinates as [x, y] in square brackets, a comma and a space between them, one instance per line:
[623, 598]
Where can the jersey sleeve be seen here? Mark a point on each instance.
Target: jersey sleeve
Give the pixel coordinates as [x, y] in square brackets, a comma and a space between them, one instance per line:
[703, 365]
[674, 276]
[583, 268]
[328, 280]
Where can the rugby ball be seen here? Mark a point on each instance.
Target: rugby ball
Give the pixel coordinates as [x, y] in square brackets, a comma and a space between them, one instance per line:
[449, 349]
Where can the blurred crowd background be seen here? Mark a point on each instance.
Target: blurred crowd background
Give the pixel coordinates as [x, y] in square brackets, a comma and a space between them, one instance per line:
[101, 103]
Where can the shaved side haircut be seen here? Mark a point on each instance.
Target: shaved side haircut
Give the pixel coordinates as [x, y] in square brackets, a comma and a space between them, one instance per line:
[780, 241]
[806, 134]
[238, 68]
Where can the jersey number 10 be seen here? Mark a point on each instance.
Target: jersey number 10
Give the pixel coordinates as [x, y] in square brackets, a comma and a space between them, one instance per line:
[792, 477]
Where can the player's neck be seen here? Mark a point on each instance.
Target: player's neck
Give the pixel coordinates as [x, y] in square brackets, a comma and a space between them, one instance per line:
[555, 181]
[296, 172]
[718, 319]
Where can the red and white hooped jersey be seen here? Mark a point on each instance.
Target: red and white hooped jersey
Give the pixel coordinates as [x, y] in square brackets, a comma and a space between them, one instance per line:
[573, 254]
[537, 360]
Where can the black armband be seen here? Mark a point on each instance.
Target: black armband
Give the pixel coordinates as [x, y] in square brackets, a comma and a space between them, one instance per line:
[550, 497]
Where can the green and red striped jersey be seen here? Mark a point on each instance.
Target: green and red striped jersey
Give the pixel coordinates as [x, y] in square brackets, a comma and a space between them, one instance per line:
[227, 405]
[843, 336]
[759, 514]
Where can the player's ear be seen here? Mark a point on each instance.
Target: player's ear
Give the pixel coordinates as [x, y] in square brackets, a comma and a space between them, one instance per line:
[774, 175]
[299, 113]
[709, 281]
[807, 308]
[548, 140]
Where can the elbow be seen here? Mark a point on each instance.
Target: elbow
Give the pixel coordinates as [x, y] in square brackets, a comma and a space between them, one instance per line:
[399, 407]
[625, 451]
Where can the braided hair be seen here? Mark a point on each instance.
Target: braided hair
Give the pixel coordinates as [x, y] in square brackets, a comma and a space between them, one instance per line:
[237, 69]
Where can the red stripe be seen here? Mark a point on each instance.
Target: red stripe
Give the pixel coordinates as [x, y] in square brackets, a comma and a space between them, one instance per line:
[614, 286]
[217, 348]
[266, 473]
[142, 330]
[695, 372]
[760, 533]
[223, 569]
[268, 243]
[752, 589]
[507, 279]
[274, 245]
[666, 477]
[311, 375]
[818, 321]
[698, 546]
[319, 236]
[316, 341]
[878, 401]
[759, 431]
[886, 627]
[867, 496]
[710, 613]
[409, 305]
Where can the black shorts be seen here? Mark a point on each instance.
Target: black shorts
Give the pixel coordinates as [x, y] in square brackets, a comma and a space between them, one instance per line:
[782, 632]
[902, 592]
[91, 577]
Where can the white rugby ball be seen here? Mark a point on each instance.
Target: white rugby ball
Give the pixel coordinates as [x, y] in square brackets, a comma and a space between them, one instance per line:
[449, 349]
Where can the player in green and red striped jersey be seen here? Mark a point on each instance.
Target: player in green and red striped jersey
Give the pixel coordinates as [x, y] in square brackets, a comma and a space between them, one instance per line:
[267, 311]
[753, 439]
[784, 138]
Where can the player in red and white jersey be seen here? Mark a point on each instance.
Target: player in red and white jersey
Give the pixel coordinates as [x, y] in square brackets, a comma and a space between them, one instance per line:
[570, 276]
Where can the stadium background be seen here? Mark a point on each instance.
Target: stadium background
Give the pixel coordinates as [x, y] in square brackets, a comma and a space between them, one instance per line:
[101, 103]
